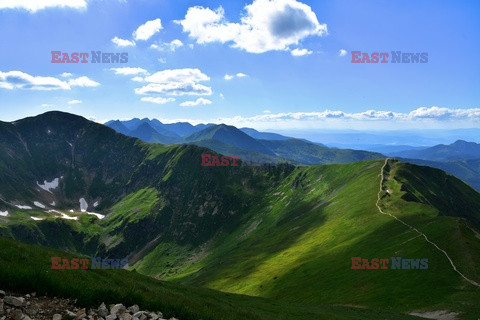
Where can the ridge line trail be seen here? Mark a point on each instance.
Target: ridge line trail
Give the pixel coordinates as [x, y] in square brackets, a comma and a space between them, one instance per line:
[415, 229]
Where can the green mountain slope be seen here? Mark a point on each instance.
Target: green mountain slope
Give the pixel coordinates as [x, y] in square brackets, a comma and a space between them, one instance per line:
[28, 268]
[297, 243]
[283, 232]
[229, 135]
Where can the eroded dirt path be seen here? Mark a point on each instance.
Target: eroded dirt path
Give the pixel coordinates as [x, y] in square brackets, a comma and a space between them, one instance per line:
[415, 229]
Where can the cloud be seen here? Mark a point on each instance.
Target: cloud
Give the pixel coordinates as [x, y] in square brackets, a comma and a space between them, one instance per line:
[21, 80]
[168, 46]
[157, 100]
[137, 79]
[266, 25]
[300, 52]
[147, 30]
[46, 105]
[66, 74]
[123, 42]
[74, 101]
[342, 52]
[419, 115]
[199, 101]
[162, 60]
[35, 5]
[175, 89]
[83, 82]
[238, 75]
[129, 71]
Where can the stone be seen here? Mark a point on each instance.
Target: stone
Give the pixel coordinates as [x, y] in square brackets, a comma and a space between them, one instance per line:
[34, 294]
[15, 301]
[153, 316]
[126, 316]
[2, 294]
[102, 311]
[70, 314]
[81, 313]
[111, 317]
[2, 310]
[17, 314]
[118, 309]
[25, 317]
[27, 296]
[134, 309]
[57, 316]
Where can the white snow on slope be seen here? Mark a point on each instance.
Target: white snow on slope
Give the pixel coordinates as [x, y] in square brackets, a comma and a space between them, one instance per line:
[98, 215]
[83, 205]
[53, 203]
[3, 213]
[48, 186]
[37, 219]
[95, 204]
[23, 207]
[38, 204]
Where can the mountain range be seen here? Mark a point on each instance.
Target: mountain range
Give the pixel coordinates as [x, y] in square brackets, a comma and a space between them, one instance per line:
[460, 158]
[284, 233]
[246, 143]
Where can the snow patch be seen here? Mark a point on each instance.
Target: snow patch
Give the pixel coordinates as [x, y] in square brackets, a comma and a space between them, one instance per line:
[83, 205]
[3, 213]
[37, 219]
[64, 216]
[23, 207]
[96, 204]
[53, 203]
[48, 186]
[71, 210]
[38, 204]
[98, 215]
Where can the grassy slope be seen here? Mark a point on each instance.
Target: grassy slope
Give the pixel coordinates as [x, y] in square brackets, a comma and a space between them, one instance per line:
[27, 268]
[309, 228]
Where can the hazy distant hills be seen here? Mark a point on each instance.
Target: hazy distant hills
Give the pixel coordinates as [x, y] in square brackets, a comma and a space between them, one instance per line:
[460, 158]
[246, 143]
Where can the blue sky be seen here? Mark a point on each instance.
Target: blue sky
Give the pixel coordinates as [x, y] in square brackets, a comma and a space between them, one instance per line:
[258, 63]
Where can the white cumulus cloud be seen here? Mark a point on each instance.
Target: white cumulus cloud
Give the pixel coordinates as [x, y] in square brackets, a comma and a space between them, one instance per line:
[342, 52]
[35, 5]
[168, 46]
[83, 82]
[230, 77]
[123, 42]
[300, 52]
[157, 100]
[21, 80]
[66, 74]
[266, 25]
[199, 101]
[147, 30]
[74, 101]
[129, 71]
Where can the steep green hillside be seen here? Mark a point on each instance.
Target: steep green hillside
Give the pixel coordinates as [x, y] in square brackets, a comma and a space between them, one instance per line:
[28, 268]
[297, 243]
[282, 232]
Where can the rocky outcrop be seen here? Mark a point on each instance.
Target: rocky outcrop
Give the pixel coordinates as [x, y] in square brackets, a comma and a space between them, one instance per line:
[31, 307]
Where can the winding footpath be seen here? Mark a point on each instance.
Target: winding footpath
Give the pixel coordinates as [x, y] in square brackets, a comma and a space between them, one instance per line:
[415, 229]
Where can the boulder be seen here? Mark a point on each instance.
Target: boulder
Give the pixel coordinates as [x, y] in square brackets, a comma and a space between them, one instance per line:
[118, 310]
[15, 301]
[57, 316]
[102, 311]
[134, 309]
